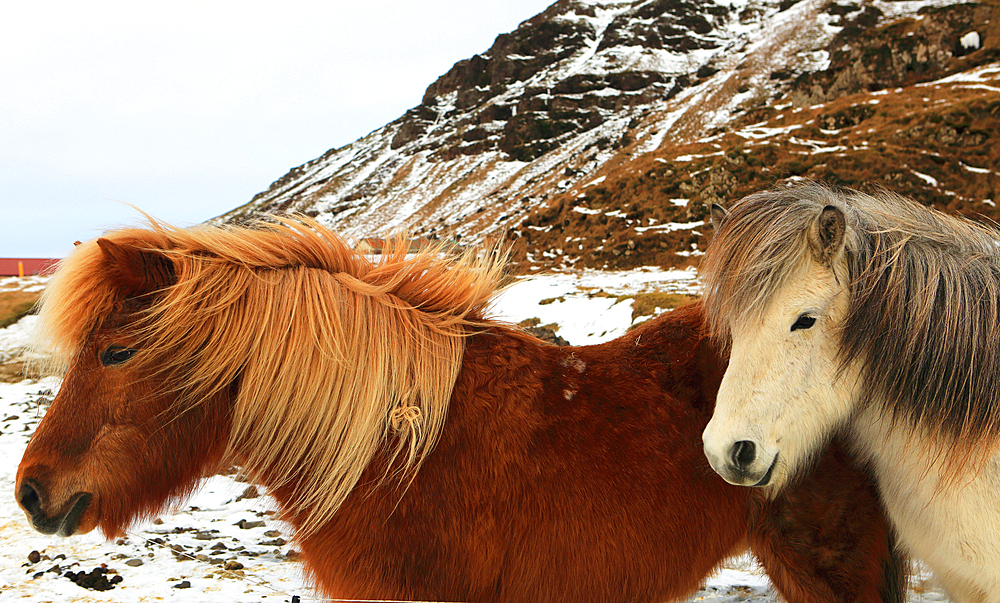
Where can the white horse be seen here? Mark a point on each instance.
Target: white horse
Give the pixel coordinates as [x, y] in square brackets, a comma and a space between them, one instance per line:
[878, 317]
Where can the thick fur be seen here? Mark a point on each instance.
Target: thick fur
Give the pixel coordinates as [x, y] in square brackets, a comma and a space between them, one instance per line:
[888, 334]
[595, 490]
[557, 474]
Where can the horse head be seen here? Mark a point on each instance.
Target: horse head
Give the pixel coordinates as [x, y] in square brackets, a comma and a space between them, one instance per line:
[783, 394]
[113, 446]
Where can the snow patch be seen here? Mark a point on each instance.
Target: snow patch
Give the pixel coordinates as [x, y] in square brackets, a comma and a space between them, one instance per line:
[970, 40]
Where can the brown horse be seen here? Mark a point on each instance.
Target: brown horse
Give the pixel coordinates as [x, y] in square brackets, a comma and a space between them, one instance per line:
[421, 451]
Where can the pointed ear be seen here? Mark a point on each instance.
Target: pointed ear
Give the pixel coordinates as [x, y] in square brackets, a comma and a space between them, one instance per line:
[718, 216]
[137, 271]
[826, 237]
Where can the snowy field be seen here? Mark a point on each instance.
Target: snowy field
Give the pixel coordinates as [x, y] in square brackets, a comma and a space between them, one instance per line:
[221, 546]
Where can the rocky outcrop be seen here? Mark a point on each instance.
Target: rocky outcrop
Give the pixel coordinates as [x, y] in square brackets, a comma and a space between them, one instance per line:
[916, 48]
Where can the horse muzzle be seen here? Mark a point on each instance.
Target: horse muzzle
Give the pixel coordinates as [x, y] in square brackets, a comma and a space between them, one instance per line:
[33, 500]
[742, 466]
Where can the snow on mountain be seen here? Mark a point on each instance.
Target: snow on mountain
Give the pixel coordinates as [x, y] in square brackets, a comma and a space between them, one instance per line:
[546, 105]
[592, 88]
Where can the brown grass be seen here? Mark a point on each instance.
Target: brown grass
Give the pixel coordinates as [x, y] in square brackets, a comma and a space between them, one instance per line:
[645, 304]
[14, 305]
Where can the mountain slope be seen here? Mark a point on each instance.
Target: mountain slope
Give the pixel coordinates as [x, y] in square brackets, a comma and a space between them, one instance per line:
[596, 133]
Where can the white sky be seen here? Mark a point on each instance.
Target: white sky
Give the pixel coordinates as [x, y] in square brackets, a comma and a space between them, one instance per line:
[188, 109]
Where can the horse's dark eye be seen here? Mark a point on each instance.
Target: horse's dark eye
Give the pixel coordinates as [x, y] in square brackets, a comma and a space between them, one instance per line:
[804, 322]
[116, 355]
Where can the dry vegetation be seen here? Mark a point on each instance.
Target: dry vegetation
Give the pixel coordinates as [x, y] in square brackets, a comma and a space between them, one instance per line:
[898, 141]
[15, 305]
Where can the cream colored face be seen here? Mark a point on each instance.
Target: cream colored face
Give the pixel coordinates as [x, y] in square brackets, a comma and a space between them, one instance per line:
[783, 394]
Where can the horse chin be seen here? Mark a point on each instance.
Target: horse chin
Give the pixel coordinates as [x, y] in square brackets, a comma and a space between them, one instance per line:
[77, 520]
[768, 475]
[72, 522]
[771, 478]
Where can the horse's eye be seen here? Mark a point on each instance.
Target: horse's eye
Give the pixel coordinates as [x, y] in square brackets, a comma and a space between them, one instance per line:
[804, 322]
[116, 355]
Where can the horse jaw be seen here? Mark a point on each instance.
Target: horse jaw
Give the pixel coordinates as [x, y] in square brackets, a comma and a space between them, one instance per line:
[784, 394]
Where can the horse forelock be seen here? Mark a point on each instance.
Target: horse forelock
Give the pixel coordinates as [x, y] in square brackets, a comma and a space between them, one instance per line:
[924, 297]
[760, 245]
[336, 356]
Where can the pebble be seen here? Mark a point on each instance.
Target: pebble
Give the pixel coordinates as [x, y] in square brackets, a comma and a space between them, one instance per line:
[248, 525]
[206, 535]
[233, 565]
[184, 584]
[134, 562]
[34, 557]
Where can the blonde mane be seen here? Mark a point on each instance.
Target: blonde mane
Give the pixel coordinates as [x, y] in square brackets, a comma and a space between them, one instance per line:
[335, 356]
[924, 297]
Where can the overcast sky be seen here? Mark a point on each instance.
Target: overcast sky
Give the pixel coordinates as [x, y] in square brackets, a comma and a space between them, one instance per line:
[186, 110]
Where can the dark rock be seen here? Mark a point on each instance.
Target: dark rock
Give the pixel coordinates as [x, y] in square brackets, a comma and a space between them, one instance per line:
[184, 584]
[249, 493]
[34, 557]
[706, 71]
[842, 9]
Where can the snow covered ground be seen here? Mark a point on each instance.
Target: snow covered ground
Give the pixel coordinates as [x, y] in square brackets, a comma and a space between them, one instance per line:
[221, 547]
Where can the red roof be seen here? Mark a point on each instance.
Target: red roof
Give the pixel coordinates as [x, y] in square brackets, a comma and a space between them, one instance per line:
[26, 266]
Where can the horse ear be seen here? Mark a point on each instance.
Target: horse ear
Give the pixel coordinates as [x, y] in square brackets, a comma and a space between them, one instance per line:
[718, 215]
[827, 234]
[137, 271]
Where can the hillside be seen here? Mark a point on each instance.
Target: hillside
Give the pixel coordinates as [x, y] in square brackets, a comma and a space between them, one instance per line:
[597, 132]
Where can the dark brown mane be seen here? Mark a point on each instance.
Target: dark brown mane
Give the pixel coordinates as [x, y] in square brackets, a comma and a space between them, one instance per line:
[925, 297]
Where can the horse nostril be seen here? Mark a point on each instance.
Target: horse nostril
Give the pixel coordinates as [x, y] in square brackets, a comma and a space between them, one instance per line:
[743, 454]
[29, 499]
